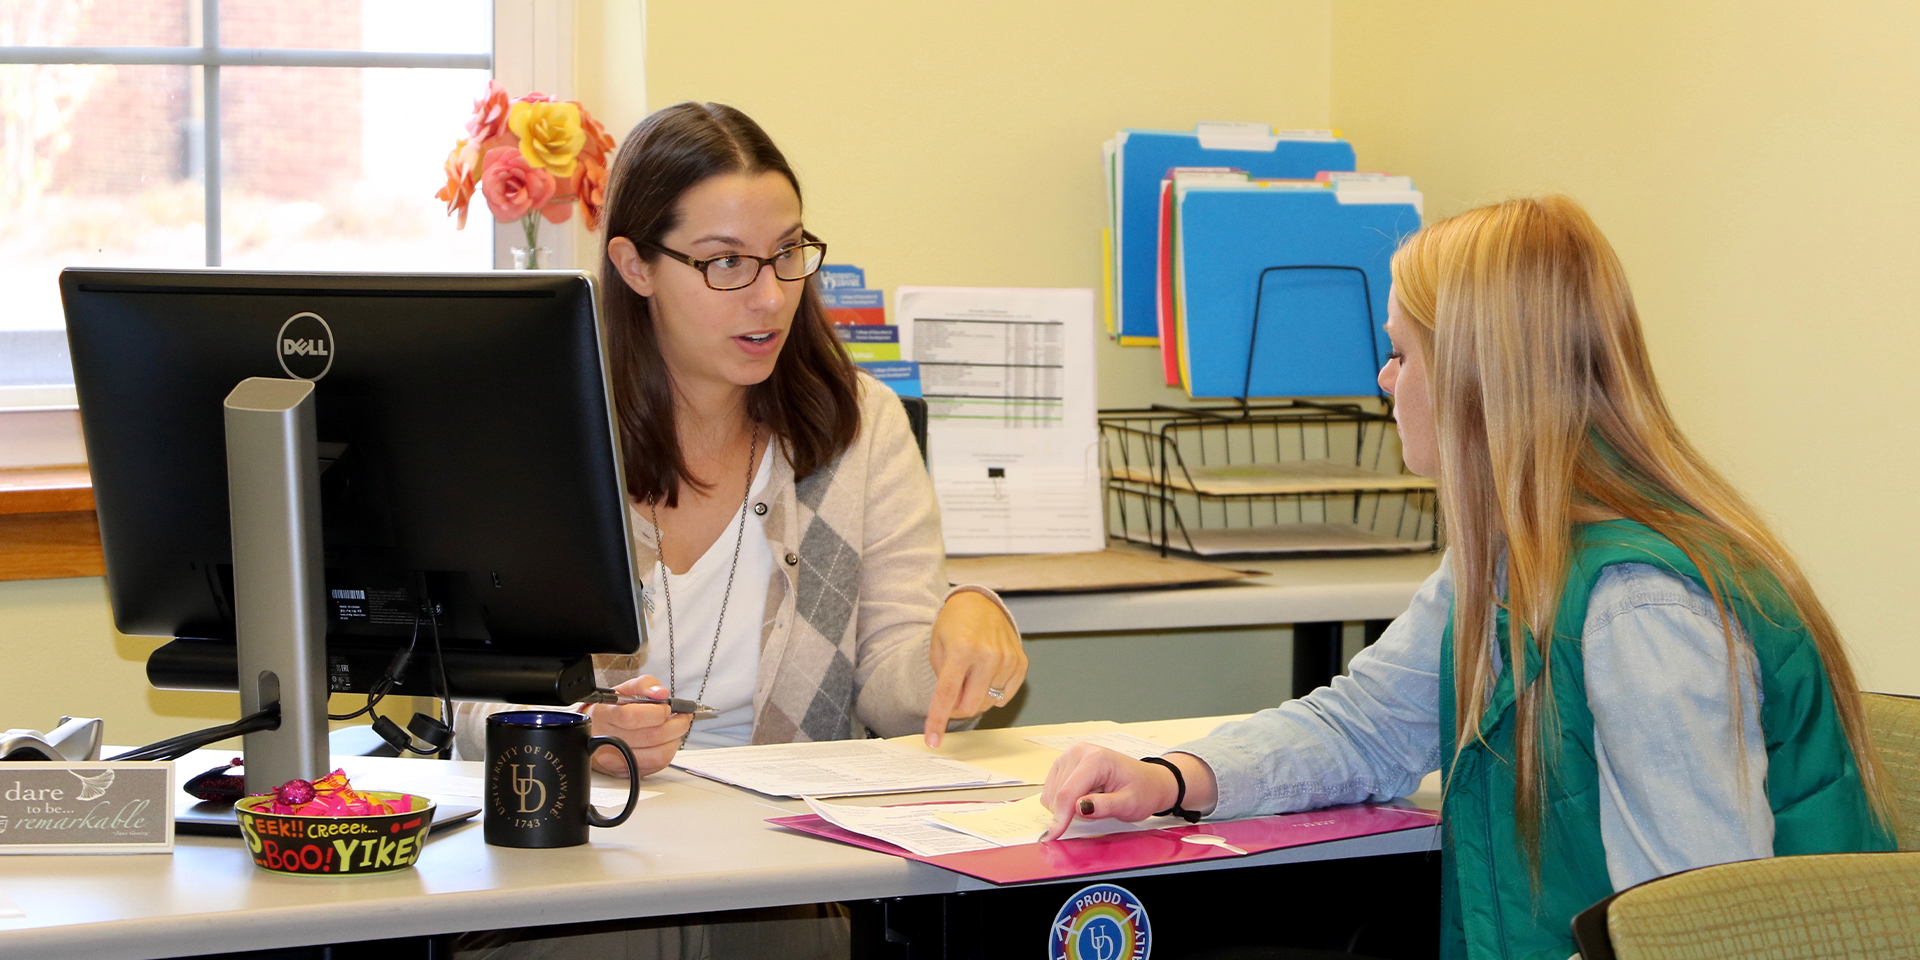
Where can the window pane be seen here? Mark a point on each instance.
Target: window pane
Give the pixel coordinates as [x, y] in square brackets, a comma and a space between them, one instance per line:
[98, 172]
[427, 26]
[300, 24]
[414, 26]
[335, 169]
[97, 23]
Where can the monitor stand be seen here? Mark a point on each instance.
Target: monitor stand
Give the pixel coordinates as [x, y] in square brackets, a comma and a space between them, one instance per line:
[280, 612]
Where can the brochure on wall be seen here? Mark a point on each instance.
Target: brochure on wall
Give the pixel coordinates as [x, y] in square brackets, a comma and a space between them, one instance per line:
[1012, 435]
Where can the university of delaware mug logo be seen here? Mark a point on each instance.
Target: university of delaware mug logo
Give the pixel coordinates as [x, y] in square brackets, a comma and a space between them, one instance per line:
[305, 346]
[536, 786]
[1101, 922]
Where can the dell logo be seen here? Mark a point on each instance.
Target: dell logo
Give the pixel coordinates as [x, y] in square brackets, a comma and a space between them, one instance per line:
[306, 346]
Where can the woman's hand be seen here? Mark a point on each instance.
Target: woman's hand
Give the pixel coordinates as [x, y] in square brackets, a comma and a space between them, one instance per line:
[651, 730]
[976, 654]
[1095, 783]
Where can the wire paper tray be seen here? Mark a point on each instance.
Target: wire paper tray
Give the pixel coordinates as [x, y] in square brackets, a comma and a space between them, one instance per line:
[1277, 478]
[1265, 479]
[1288, 538]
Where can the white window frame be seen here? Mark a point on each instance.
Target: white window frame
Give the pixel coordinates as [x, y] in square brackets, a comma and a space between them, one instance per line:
[532, 50]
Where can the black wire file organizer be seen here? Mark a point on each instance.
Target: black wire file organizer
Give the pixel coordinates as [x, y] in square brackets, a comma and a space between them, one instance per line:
[1268, 477]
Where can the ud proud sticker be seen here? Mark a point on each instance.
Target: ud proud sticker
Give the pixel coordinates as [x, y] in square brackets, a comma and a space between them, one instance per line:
[1101, 922]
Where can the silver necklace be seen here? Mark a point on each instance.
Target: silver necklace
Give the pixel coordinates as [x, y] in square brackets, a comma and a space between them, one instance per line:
[666, 592]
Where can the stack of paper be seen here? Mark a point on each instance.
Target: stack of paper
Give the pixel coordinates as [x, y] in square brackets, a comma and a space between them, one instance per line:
[1012, 431]
[1280, 287]
[843, 288]
[933, 829]
[1138, 160]
[835, 768]
[859, 318]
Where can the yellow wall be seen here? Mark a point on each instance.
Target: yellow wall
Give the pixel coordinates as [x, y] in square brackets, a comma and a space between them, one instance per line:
[960, 143]
[1753, 162]
[62, 657]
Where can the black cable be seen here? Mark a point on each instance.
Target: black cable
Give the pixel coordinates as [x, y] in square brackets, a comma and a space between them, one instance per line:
[381, 687]
[266, 718]
[439, 670]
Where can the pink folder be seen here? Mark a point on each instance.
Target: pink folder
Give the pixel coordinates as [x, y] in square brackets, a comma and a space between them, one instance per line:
[1083, 856]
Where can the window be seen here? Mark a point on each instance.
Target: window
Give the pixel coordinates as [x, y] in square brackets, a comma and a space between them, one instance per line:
[261, 134]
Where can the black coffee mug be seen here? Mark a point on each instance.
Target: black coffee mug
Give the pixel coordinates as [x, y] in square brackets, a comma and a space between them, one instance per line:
[538, 777]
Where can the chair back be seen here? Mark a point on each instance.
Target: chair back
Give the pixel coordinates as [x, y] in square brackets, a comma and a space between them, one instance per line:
[1848, 906]
[1895, 722]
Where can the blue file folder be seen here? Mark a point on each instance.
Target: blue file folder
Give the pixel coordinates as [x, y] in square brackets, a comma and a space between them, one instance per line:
[1314, 336]
[1142, 161]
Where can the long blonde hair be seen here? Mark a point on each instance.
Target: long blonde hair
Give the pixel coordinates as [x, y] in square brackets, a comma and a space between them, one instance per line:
[1547, 414]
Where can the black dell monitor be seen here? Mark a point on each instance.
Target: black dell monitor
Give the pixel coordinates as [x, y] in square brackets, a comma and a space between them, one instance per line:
[468, 465]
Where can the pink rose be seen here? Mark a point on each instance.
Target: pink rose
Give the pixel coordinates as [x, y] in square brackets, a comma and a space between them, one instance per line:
[511, 186]
[489, 113]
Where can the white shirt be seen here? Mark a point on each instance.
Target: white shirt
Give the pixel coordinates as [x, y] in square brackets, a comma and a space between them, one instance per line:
[697, 596]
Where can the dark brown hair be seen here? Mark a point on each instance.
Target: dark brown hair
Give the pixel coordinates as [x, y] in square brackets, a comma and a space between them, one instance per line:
[810, 402]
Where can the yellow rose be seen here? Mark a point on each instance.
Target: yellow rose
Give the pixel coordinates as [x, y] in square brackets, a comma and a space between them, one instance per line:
[551, 134]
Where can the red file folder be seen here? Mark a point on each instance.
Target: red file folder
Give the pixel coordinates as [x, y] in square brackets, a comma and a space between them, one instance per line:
[1084, 856]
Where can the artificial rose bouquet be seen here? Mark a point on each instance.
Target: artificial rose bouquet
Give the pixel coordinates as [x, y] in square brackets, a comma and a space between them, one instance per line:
[530, 157]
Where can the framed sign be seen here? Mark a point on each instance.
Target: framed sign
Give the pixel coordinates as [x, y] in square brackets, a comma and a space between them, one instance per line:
[97, 807]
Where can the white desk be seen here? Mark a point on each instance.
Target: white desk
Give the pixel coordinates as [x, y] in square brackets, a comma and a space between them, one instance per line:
[700, 847]
[1191, 647]
[1321, 589]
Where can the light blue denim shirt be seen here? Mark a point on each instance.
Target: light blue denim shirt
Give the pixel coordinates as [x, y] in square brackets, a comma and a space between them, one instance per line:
[1680, 786]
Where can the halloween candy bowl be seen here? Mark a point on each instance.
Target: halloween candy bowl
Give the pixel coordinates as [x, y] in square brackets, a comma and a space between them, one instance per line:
[327, 829]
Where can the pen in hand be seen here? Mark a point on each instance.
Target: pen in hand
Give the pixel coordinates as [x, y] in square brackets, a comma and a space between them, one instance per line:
[677, 704]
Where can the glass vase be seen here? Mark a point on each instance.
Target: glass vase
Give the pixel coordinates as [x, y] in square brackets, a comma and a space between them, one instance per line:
[531, 258]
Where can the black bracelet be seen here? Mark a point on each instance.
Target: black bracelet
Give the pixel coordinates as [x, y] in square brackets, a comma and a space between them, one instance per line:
[1180, 783]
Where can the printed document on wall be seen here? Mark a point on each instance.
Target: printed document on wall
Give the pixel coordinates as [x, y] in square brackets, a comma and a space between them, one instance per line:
[1012, 438]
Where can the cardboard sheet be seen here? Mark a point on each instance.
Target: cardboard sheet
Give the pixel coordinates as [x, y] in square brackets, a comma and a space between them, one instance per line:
[1290, 538]
[1077, 572]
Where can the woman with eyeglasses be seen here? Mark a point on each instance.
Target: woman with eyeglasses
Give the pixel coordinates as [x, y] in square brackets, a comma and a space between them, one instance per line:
[1619, 671]
[787, 534]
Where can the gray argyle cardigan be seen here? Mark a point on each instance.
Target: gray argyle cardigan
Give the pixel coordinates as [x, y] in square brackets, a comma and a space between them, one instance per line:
[859, 574]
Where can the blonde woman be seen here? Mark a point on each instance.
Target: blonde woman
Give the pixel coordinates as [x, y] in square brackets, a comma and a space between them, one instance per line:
[1683, 700]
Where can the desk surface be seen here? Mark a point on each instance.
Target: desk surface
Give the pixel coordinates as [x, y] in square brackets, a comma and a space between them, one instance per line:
[1293, 591]
[700, 846]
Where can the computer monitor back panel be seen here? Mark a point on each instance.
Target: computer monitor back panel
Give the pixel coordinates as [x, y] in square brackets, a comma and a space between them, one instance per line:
[465, 440]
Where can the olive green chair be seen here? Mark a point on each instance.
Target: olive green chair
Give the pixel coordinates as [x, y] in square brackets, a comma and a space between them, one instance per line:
[1858, 906]
[1895, 722]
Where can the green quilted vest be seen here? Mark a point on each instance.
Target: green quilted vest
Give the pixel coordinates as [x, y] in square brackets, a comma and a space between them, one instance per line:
[1488, 906]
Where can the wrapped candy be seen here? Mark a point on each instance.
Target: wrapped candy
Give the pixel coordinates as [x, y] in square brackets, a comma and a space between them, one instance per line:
[331, 796]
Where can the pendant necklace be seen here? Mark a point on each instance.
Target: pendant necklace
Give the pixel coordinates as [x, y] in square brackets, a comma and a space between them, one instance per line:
[666, 592]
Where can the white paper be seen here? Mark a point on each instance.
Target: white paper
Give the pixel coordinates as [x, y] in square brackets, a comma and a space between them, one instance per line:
[931, 829]
[438, 786]
[835, 768]
[1012, 434]
[1025, 821]
[10, 909]
[1130, 744]
[911, 828]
